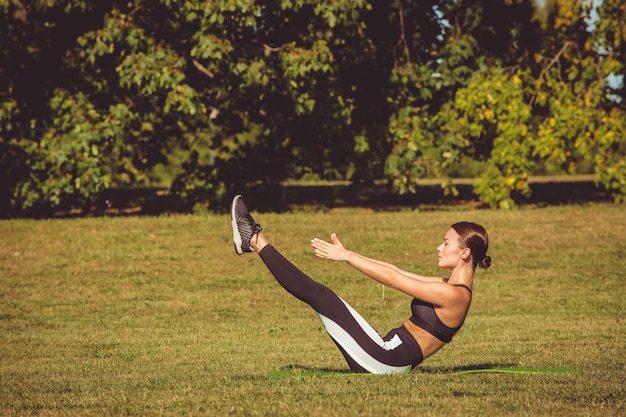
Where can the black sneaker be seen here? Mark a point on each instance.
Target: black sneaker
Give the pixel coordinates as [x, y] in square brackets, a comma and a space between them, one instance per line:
[244, 226]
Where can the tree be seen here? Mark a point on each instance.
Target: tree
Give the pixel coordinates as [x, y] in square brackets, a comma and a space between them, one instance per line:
[283, 89]
[244, 94]
[484, 46]
[523, 103]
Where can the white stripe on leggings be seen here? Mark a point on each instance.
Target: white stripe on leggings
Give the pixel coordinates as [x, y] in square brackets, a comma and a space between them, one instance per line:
[356, 352]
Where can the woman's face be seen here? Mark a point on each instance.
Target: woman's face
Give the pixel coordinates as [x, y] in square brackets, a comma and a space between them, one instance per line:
[450, 250]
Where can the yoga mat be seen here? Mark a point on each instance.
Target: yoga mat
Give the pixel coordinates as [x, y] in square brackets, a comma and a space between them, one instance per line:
[466, 371]
[519, 371]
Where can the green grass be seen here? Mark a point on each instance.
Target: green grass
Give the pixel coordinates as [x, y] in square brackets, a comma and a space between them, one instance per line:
[158, 316]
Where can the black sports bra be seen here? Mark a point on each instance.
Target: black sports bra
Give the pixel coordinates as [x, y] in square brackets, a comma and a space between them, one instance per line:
[425, 317]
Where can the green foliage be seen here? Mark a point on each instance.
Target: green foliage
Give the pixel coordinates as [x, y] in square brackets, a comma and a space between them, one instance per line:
[557, 111]
[412, 140]
[65, 162]
[245, 94]
[490, 120]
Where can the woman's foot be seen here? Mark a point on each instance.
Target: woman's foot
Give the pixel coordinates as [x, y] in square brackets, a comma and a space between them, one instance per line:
[244, 226]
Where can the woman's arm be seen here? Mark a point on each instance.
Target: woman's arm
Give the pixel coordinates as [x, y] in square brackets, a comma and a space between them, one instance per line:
[403, 272]
[429, 289]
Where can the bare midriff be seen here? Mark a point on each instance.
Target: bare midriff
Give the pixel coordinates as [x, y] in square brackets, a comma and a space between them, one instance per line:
[428, 343]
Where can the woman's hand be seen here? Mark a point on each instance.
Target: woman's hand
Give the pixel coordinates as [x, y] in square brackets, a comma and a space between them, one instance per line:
[331, 251]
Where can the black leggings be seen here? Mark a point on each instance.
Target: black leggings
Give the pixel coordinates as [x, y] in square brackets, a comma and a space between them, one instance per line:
[363, 348]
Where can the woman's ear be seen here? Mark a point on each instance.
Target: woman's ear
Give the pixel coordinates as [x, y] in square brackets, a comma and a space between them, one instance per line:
[465, 253]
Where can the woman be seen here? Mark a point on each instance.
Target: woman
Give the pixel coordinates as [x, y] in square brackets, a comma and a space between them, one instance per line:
[439, 306]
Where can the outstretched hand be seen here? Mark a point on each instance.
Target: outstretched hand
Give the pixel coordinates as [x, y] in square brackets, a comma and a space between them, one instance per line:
[332, 251]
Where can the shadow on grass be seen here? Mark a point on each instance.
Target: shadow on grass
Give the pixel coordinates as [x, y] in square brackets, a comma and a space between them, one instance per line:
[465, 368]
[295, 369]
[546, 191]
[502, 368]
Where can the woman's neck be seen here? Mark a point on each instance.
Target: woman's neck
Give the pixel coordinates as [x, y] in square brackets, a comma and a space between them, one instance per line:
[462, 274]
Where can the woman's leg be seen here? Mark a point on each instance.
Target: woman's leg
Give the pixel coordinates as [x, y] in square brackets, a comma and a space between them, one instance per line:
[363, 348]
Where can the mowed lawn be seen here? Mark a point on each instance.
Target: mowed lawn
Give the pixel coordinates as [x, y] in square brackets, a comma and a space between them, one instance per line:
[158, 316]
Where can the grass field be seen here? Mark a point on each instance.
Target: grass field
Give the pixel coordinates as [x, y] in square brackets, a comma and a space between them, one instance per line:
[158, 316]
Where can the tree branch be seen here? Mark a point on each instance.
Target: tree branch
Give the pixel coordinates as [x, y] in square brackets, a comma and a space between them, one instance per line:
[202, 69]
[554, 61]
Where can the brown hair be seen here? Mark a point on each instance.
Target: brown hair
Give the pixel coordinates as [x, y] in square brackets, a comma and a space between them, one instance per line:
[475, 237]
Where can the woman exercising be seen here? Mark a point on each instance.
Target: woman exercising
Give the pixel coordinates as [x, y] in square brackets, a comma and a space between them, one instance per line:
[438, 308]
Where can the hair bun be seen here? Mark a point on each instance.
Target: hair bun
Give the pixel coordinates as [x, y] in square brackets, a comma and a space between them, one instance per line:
[485, 262]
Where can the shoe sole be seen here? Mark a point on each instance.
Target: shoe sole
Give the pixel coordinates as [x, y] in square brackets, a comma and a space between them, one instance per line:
[233, 221]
